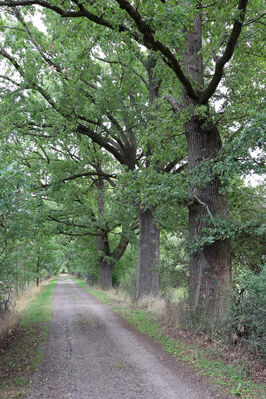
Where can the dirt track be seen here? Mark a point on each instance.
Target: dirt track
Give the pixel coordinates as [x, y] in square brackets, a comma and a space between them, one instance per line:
[92, 354]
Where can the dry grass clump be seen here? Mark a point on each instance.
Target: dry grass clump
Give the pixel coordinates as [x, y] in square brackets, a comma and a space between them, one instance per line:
[169, 311]
[122, 297]
[156, 305]
[10, 319]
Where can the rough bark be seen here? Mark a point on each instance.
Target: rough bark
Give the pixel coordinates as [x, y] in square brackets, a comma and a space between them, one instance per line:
[107, 259]
[149, 241]
[149, 233]
[105, 274]
[210, 267]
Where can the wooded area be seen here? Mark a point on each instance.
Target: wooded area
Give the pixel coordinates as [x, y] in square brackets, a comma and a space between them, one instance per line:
[132, 138]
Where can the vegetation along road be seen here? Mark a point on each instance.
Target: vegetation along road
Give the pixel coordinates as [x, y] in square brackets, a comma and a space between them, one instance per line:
[93, 354]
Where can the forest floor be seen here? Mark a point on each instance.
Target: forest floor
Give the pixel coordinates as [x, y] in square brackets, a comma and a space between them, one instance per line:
[92, 353]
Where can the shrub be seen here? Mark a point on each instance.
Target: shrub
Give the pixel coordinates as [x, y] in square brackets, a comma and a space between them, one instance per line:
[248, 308]
[128, 282]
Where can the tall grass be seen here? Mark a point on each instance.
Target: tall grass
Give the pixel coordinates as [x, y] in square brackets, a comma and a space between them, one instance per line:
[23, 348]
[11, 319]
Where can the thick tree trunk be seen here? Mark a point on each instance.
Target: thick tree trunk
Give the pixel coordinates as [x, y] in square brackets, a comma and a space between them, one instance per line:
[149, 233]
[105, 275]
[210, 267]
[149, 240]
[102, 244]
[105, 266]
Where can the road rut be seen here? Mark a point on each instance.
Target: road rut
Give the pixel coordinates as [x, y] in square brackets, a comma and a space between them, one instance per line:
[92, 354]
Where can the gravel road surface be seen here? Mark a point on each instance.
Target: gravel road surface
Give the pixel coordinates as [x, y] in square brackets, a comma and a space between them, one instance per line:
[92, 354]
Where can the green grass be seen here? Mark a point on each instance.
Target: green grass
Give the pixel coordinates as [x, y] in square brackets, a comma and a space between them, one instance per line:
[179, 293]
[40, 310]
[231, 378]
[102, 296]
[22, 351]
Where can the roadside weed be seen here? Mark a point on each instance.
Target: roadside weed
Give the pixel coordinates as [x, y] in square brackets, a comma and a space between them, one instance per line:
[230, 378]
[22, 349]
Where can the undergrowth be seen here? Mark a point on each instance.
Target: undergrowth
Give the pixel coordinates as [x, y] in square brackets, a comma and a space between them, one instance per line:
[232, 378]
[22, 348]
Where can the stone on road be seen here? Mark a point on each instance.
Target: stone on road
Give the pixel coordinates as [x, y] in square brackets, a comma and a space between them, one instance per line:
[92, 354]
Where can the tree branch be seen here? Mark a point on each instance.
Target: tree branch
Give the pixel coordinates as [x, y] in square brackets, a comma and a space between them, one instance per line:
[175, 106]
[10, 80]
[121, 248]
[67, 223]
[228, 53]
[125, 65]
[78, 235]
[150, 42]
[142, 27]
[79, 175]
[109, 145]
[251, 21]
[45, 4]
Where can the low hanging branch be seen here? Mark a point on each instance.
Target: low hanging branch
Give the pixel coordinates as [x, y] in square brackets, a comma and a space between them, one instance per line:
[79, 175]
[72, 224]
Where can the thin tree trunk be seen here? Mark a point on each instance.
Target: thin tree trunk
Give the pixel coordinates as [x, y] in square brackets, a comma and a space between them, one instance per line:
[210, 267]
[37, 271]
[148, 262]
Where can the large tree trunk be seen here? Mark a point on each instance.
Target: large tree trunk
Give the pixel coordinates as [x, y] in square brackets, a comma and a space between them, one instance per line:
[149, 240]
[105, 275]
[102, 244]
[210, 267]
[149, 233]
[107, 259]
[105, 266]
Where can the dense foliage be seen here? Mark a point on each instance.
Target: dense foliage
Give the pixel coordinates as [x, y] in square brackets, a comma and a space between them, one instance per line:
[124, 122]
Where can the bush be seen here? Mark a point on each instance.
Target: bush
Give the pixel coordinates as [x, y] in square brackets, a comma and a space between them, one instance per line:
[173, 267]
[128, 282]
[248, 308]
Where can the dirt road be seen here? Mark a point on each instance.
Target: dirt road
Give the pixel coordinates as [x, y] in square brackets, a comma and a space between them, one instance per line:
[92, 354]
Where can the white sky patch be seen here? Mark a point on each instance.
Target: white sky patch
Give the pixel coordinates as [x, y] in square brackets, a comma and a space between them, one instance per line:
[254, 180]
[37, 20]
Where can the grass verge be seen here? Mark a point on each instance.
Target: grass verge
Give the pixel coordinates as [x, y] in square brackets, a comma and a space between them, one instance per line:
[231, 378]
[102, 296]
[21, 350]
